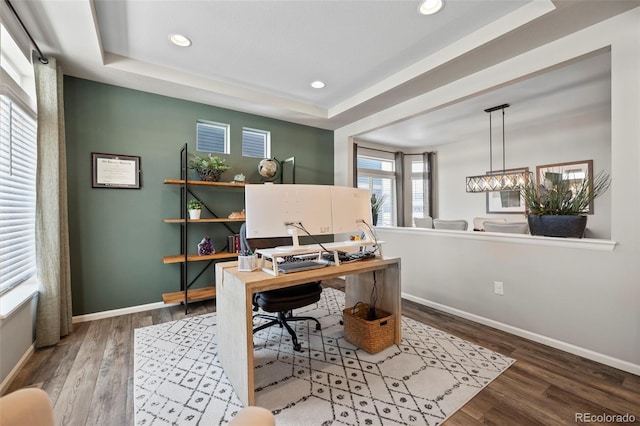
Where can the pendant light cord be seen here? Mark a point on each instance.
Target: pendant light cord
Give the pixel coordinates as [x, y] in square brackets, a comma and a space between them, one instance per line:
[490, 146]
[503, 153]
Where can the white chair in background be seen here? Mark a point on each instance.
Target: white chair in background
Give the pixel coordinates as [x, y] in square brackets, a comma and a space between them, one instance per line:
[478, 222]
[457, 225]
[423, 222]
[508, 227]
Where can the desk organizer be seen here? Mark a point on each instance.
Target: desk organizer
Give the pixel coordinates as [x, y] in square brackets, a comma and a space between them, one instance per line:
[247, 263]
[370, 335]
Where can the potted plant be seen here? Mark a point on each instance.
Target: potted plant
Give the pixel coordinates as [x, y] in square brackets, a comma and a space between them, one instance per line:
[376, 204]
[209, 168]
[194, 207]
[556, 207]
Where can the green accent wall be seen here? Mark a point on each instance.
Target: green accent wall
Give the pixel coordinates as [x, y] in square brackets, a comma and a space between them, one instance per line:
[117, 236]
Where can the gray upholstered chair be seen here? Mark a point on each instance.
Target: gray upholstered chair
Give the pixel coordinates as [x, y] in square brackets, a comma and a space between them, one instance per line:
[507, 227]
[423, 222]
[478, 222]
[458, 225]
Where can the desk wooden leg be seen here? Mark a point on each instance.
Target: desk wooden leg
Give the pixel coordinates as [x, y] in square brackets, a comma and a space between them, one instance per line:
[235, 334]
[358, 289]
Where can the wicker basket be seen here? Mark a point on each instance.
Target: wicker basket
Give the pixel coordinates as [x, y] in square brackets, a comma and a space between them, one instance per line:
[370, 335]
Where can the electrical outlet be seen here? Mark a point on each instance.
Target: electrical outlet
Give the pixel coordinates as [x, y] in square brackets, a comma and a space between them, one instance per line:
[498, 288]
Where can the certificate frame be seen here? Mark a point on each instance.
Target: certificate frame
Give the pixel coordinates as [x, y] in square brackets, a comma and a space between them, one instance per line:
[115, 171]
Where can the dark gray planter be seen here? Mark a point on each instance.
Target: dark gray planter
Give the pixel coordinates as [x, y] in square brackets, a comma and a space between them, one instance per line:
[567, 226]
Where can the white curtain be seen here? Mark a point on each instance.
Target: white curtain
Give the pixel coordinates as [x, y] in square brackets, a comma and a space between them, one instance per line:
[52, 231]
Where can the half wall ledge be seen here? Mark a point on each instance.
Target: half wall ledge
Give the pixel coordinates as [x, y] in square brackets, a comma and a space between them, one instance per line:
[577, 243]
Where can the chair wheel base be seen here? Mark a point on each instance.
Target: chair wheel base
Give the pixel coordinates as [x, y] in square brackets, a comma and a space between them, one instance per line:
[297, 347]
[318, 328]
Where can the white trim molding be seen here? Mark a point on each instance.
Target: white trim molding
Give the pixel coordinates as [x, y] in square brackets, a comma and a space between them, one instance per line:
[14, 371]
[554, 343]
[122, 311]
[526, 239]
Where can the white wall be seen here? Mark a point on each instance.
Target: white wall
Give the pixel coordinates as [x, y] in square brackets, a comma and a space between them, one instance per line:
[563, 297]
[590, 299]
[17, 335]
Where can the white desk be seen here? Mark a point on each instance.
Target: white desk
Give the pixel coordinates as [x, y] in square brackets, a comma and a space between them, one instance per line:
[234, 294]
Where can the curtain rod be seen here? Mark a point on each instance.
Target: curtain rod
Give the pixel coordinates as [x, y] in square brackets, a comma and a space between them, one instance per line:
[392, 152]
[41, 56]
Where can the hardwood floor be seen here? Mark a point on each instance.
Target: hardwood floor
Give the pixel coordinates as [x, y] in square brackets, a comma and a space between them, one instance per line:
[89, 374]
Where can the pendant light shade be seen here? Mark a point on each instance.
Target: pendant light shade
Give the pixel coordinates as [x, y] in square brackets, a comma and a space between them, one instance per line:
[499, 180]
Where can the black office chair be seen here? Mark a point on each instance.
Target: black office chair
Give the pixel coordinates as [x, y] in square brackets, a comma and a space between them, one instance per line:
[281, 302]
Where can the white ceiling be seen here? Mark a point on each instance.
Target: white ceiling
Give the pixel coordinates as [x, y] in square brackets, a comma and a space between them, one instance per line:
[260, 56]
[280, 47]
[585, 81]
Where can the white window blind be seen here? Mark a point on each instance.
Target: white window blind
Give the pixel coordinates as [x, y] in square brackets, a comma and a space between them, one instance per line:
[377, 174]
[212, 137]
[418, 189]
[256, 143]
[17, 194]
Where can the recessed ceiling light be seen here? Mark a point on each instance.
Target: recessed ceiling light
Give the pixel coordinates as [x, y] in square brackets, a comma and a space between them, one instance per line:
[180, 40]
[317, 84]
[429, 7]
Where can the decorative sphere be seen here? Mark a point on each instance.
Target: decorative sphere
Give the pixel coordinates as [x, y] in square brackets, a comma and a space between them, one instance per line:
[268, 168]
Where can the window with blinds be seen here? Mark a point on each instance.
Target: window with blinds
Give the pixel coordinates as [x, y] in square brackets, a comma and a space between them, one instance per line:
[17, 194]
[377, 174]
[419, 188]
[212, 137]
[256, 143]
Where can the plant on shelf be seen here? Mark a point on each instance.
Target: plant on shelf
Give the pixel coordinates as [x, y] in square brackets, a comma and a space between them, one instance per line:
[209, 168]
[556, 207]
[194, 207]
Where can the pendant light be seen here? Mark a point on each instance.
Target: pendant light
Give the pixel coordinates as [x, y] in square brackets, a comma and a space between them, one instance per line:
[499, 180]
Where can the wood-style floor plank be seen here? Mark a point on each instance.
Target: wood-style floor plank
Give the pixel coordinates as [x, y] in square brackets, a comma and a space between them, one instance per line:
[89, 375]
[73, 405]
[109, 400]
[54, 370]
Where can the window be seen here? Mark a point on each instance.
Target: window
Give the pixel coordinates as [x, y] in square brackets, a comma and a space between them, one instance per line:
[212, 137]
[420, 196]
[17, 165]
[256, 143]
[17, 194]
[377, 173]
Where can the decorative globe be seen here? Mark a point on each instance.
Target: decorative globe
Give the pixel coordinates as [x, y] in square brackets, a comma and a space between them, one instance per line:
[268, 168]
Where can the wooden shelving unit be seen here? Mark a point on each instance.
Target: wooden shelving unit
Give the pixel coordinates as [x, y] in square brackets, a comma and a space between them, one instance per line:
[186, 294]
[203, 183]
[206, 220]
[194, 295]
[179, 258]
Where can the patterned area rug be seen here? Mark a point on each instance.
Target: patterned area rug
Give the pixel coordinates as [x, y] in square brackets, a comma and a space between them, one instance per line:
[178, 379]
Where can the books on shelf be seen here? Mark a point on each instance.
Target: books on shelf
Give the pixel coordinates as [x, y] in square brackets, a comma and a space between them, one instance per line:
[233, 243]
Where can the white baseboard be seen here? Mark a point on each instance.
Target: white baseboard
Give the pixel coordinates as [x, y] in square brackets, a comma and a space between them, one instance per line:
[563, 346]
[121, 311]
[14, 371]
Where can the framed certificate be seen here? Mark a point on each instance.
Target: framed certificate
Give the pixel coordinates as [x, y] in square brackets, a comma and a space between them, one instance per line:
[115, 171]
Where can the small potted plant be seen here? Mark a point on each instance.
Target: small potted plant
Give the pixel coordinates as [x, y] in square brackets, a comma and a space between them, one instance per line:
[376, 204]
[556, 207]
[209, 168]
[194, 207]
